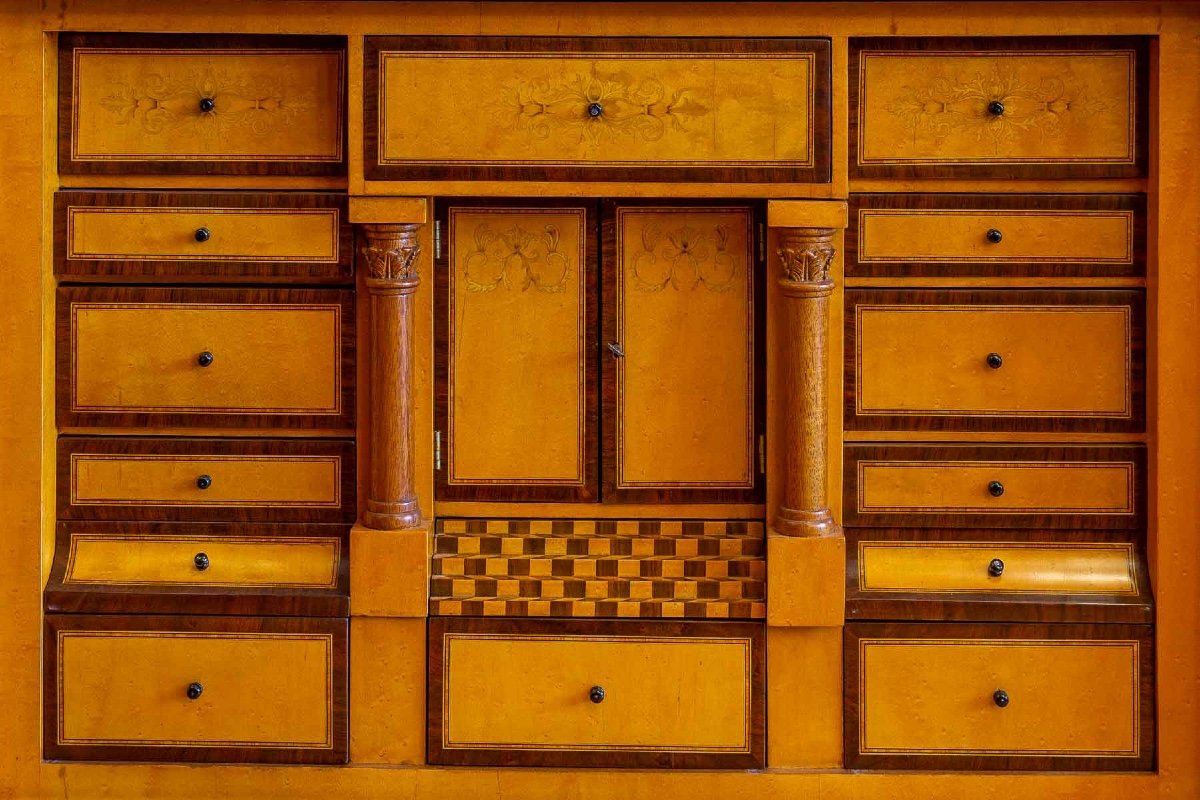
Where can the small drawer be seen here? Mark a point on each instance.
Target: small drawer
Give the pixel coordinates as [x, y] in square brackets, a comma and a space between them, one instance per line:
[1035, 107]
[202, 105]
[589, 693]
[138, 236]
[994, 486]
[598, 109]
[186, 568]
[996, 236]
[266, 480]
[984, 697]
[994, 360]
[205, 357]
[181, 689]
[995, 575]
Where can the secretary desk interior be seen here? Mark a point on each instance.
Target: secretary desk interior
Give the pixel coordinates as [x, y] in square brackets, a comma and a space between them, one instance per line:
[658, 394]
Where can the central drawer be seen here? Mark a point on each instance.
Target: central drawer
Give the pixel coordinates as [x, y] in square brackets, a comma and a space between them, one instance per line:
[205, 357]
[575, 693]
[172, 688]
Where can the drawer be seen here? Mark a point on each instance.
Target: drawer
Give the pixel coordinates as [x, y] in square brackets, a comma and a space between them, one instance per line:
[1036, 107]
[205, 357]
[995, 575]
[995, 360]
[996, 236]
[202, 105]
[140, 236]
[189, 568]
[588, 693]
[979, 697]
[179, 689]
[603, 109]
[268, 480]
[995, 486]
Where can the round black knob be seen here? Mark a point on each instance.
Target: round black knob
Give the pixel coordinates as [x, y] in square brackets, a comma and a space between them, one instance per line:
[594, 110]
[201, 561]
[194, 690]
[994, 235]
[596, 694]
[995, 488]
[995, 568]
[994, 360]
[204, 481]
[996, 107]
[207, 104]
[1000, 698]
[203, 234]
[204, 359]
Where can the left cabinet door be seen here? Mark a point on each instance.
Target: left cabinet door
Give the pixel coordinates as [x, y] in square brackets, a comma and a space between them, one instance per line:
[516, 362]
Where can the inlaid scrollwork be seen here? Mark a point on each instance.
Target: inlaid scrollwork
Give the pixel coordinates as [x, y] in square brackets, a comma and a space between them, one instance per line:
[242, 105]
[683, 258]
[598, 105]
[516, 257]
[945, 105]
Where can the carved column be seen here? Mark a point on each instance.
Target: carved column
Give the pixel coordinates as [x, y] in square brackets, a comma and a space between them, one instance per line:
[805, 255]
[389, 253]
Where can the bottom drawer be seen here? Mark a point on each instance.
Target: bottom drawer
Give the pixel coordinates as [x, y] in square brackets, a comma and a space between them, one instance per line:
[955, 696]
[591, 693]
[183, 689]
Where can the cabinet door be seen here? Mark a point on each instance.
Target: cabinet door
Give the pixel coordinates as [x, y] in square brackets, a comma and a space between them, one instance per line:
[682, 368]
[516, 366]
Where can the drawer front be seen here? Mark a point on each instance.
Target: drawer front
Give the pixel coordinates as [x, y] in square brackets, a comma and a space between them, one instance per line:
[282, 480]
[200, 357]
[990, 696]
[1060, 487]
[516, 336]
[997, 567]
[171, 688]
[230, 561]
[284, 569]
[680, 274]
[146, 236]
[235, 105]
[595, 693]
[683, 109]
[995, 360]
[973, 235]
[1010, 108]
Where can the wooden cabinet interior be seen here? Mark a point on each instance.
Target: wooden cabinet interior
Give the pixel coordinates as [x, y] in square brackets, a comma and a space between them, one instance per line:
[600, 351]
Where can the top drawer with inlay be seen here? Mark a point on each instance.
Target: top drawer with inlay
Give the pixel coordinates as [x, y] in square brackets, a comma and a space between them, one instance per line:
[603, 109]
[996, 236]
[232, 105]
[1006, 108]
[138, 236]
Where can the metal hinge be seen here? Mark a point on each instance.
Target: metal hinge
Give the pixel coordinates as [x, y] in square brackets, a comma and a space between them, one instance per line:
[762, 454]
[437, 240]
[762, 242]
[437, 450]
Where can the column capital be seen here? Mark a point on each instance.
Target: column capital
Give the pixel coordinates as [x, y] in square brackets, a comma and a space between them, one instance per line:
[390, 252]
[806, 255]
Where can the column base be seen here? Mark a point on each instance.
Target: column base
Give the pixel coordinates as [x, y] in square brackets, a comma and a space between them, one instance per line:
[794, 522]
[392, 516]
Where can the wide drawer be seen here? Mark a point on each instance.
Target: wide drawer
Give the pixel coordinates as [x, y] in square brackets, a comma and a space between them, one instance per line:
[995, 360]
[1000, 107]
[205, 357]
[188, 568]
[180, 689]
[980, 697]
[547, 108]
[280, 480]
[586, 693]
[158, 235]
[997, 236]
[233, 105]
[1001, 486]
[996, 575]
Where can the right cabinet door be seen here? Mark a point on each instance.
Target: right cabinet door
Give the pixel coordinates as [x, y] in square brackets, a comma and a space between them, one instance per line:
[680, 352]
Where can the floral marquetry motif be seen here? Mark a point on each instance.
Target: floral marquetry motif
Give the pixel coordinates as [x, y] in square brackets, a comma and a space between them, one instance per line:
[684, 257]
[516, 257]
